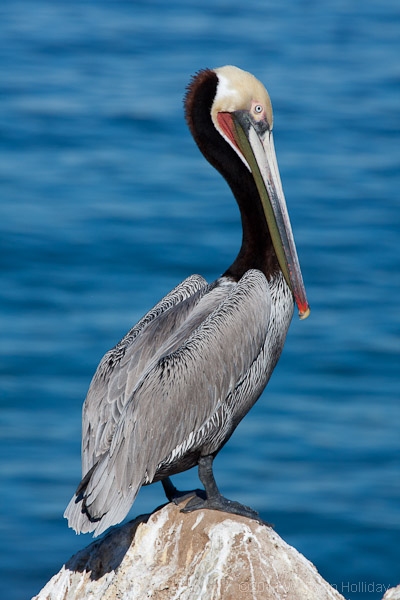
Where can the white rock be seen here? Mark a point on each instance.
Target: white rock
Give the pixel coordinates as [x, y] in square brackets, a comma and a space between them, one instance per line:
[392, 594]
[205, 555]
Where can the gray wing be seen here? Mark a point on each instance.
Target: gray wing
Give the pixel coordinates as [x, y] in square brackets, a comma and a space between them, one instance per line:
[179, 393]
[122, 366]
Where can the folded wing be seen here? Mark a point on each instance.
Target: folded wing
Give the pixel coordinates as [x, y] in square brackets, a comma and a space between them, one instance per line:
[199, 355]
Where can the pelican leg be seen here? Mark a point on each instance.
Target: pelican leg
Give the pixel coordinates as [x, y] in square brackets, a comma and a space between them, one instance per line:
[169, 489]
[214, 499]
[175, 495]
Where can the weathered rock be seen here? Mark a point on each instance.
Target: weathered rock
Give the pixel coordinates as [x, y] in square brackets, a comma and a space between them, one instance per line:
[201, 555]
[392, 594]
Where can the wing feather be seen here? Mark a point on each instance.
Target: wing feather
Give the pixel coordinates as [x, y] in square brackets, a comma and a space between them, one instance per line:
[180, 393]
[118, 372]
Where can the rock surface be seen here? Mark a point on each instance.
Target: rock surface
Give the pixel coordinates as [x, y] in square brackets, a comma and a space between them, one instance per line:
[203, 555]
[392, 594]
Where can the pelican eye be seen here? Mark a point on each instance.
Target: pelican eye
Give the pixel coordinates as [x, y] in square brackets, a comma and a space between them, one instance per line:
[258, 109]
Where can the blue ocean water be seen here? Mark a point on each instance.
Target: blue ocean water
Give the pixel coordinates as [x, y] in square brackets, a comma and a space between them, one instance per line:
[106, 204]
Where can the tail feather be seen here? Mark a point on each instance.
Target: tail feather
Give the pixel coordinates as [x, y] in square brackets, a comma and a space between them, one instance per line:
[98, 503]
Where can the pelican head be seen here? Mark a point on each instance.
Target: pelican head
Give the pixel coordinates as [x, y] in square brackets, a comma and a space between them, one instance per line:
[241, 113]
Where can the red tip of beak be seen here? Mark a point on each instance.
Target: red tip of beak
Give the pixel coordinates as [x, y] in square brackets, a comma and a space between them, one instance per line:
[304, 310]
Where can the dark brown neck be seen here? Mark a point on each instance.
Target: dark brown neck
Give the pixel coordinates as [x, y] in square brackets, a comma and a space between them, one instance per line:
[257, 251]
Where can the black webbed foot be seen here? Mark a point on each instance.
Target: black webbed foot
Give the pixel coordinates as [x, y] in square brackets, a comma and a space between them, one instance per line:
[212, 499]
[222, 504]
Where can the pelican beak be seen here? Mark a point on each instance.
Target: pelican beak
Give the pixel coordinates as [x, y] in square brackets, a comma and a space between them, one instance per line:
[255, 142]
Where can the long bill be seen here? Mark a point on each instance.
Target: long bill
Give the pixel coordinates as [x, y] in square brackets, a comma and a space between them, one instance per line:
[259, 152]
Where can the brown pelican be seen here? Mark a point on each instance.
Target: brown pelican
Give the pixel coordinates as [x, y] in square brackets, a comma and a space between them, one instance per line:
[172, 391]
